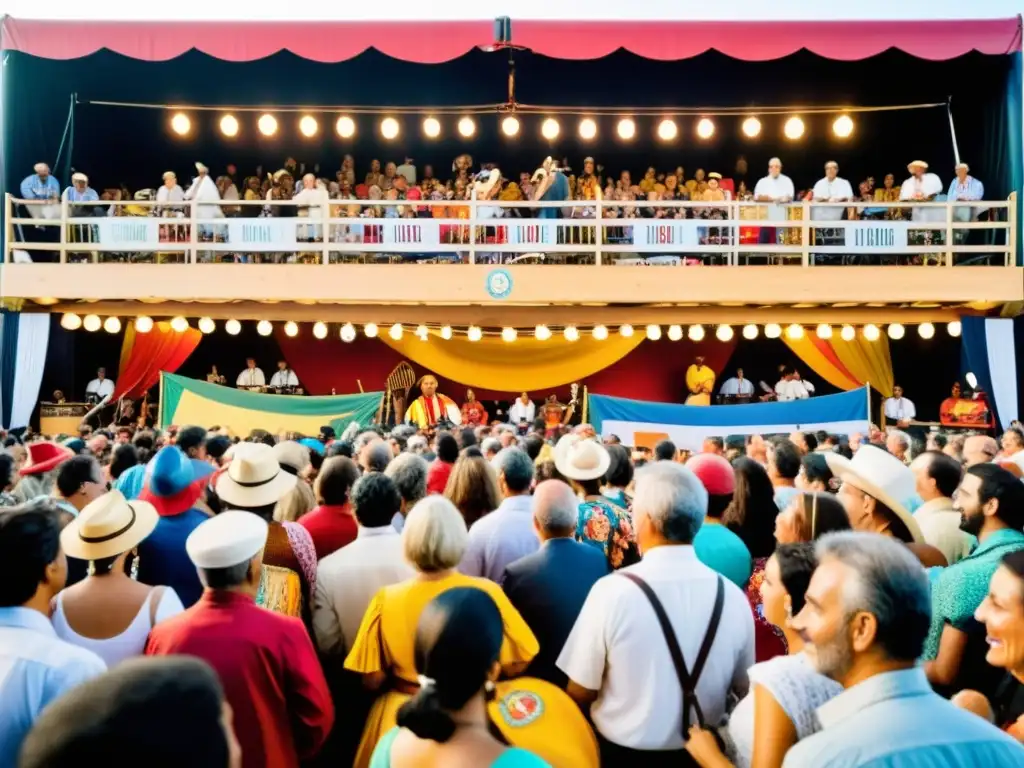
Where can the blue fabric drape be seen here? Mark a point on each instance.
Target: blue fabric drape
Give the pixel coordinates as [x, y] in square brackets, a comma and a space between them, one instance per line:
[974, 356]
[1015, 139]
[8, 363]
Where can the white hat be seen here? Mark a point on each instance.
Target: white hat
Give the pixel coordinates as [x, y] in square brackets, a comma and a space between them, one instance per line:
[579, 458]
[960, 165]
[201, 168]
[486, 185]
[920, 163]
[882, 476]
[107, 527]
[227, 539]
[40, 167]
[290, 454]
[278, 175]
[79, 177]
[169, 175]
[254, 478]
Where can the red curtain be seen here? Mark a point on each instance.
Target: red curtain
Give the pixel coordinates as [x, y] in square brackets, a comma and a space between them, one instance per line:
[655, 370]
[162, 349]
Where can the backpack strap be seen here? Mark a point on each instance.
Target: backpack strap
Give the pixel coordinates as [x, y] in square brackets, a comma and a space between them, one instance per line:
[687, 680]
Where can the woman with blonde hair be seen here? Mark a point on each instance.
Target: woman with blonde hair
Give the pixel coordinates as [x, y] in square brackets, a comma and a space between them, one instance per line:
[473, 488]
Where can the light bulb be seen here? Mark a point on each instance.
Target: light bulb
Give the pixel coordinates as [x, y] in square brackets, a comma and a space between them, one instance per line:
[291, 329]
[653, 332]
[320, 330]
[926, 330]
[347, 333]
[467, 127]
[549, 129]
[70, 321]
[849, 333]
[446, 332]
[308, 126]
[542, 333]
[871, 332]
[229, 125]
[370, 329]
[794, 128]
[843, 126]
[626, 331]
[508, 334]
[346, 127]
[510, 126]
[179, 324]
[705, 128]
[896, 331]
[111, 325]
[143, 324]
[667, 130]
[233, 327]
[750, 332]
[206, 325]
[92, 323]
[695, 333]
[267, 125]
[588, 129]
[264, 328]
[675, 333]
[389, 128]
[422, 332]
[751, 127]
[395, 331]
[600, 332]
[795, 331]
[180, 124]
[571, 333]
[431, 127]
[626, 129]
[724, 332]
[953, 328]
[772, 331]
[824, 331]
[474, 333]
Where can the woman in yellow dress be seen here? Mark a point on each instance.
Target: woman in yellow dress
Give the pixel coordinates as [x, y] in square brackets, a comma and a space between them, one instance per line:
[700, 382]
[530, 713]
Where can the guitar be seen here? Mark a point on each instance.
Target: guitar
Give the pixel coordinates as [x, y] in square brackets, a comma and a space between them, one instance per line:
[574, 391]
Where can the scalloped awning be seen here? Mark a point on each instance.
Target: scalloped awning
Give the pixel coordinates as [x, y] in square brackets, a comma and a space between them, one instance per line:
[435, 42]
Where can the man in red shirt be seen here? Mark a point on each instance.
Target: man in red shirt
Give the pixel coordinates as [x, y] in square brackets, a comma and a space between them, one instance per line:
[266, 662]
[332, 525]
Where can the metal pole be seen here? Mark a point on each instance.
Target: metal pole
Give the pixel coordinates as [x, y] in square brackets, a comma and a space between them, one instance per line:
[952, 129]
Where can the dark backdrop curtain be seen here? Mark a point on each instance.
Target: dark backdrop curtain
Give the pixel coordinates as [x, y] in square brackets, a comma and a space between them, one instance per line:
[8, 361]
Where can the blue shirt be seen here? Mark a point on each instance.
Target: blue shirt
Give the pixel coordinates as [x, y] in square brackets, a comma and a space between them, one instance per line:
[163, 559]
[34, 188]
[723, 551]
[784, 495]
[895, 720]
[971, 189]
[500, 538]
[510, 758]
[88, 195]
[36, 667]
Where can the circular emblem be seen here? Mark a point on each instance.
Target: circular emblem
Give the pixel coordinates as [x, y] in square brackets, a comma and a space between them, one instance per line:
[499, 283]
[520, 708]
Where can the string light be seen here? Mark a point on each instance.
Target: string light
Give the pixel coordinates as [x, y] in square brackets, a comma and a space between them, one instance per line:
[542, 333]
[467, 127]
[667, 130]
[370, 329]
[474, 333]
[896, 331]
[509, 334]
[348, 333]
[229, 126]
[653, 332]
[389, 128]
[705, 128]
[926, 330]
[432, 127]
[320, 330]
[794, 128]
[843, 126]
[549, 129]
[510, 126]
[264, 328]
[571, 333]
[588, 129]
[143, 324]
[422, 332]
[395, 331]
[70, 321]
[953, 328]
[675, 333]
[180, 124]
[206, 325]
[179, 324]
[233, 327]
[92, 323]
[824, 331]
[626, 331]
[267, 125]
[308, 126]
[795, 332]
[600, 332]
[752, 127]
[696, 333]
[772, 331]
[725, 332]
[626, 129]
[291, 329]
[871, 332]
[446, 332]
[111, 325]
[750, 332]
[849, 333]
[346, 127]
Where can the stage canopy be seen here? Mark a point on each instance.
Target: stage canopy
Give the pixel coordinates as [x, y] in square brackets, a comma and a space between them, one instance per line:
[434, 42]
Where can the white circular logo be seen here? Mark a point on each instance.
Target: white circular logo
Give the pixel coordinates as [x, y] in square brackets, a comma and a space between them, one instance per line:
[499, 284]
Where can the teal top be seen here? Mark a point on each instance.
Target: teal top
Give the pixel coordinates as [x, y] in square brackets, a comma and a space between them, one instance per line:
[510, 758]
[723, 551]
[959, 589]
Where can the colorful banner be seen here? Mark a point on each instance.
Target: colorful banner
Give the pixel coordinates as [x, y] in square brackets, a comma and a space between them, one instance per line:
[144, 356]
[637, 422]
[189, 401]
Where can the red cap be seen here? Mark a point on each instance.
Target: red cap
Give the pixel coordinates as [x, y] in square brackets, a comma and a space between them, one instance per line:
[715, 472]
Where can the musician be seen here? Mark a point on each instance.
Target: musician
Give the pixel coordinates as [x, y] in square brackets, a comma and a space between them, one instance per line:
[737, 386]
[431, 405]
[215, 377]
[790, 387]
[473, 412]
[284, 376]
[522, 410]
[251, 376]
[552, 412]
[700, 382]
[99, 389]
[550, 184]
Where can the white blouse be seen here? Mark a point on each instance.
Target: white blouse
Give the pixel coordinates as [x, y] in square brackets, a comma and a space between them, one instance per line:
[796, 686]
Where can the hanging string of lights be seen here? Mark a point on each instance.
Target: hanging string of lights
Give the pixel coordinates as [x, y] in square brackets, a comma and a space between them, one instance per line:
[348, 332]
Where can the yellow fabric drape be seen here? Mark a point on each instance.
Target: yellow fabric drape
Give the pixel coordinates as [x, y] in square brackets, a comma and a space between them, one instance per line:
[869, 361]
[126, 347]
[809, 354]
[520, 366]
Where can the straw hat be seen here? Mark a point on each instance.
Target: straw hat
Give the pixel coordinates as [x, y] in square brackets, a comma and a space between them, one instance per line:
[254, 478]
[229, 539]
[578, 458]
[43, 457]
[882, 476]
[920, 163]
[107, 527]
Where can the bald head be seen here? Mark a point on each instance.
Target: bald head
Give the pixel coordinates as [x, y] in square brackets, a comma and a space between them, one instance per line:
[979, 449]
[555, 509]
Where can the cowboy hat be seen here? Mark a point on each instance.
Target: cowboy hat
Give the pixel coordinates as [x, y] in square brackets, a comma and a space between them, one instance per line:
[254, 478]
[108, 527]
[43, 457]
[920, 163]
[578, 458]
[882, 476]
[229, 539]
[174, 482]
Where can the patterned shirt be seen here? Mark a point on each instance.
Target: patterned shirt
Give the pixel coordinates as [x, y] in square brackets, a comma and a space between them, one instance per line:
[35, 188]
[610, 528]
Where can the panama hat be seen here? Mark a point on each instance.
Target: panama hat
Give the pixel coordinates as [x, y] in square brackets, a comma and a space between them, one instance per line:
[579, 458]
[920, 163]
[882, 476]
[174, 482]
[45, 456]
[229, 539]
[108, 527]
[254, 478]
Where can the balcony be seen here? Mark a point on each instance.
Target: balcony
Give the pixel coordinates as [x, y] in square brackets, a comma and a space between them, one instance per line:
[476, 260]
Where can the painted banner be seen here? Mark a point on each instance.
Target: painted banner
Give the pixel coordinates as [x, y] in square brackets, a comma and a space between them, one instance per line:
[876, 235]
[669, 234]
[127, 232]
[189, 401]
[643, 423]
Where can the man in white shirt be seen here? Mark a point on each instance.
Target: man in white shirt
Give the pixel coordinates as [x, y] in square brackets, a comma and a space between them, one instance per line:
[284, 376]
[775, 187]
[937, 476]
[310, 200]
[101, 387]
[737, 386]
[348, 579]
[522, 409]
[251, 376]
[1013, 445]
[831, 189]
[790, 387]
[922, 187]
[617, 657]
[408, 170]
[204, 191]
[169, 192]
[898, 409]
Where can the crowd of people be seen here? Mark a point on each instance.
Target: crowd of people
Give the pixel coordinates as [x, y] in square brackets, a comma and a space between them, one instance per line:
[479, 596]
